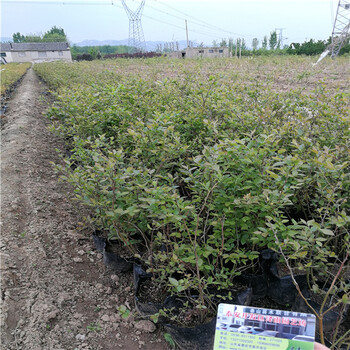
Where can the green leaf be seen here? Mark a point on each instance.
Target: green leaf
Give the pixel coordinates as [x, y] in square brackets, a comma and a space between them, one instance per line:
[302, 254]
[155, 317]
[327, 232]
[315, 288]
[272, 174]
[174, 282]
[169, 340]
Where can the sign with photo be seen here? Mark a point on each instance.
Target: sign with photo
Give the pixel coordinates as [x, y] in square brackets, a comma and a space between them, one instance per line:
[243, 327]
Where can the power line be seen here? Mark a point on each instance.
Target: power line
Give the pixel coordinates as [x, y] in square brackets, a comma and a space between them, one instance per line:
[201, 21]
[194, 20]
[177, 26]
[43, 2]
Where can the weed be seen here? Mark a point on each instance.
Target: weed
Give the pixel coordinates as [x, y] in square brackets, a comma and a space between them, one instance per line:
[123, 311]
[94, 327]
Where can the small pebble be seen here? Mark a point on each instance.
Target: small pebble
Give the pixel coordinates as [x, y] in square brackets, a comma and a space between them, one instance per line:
[80, 337]
[145, 326]
[99, 286]
[105, 318]
[114, 278]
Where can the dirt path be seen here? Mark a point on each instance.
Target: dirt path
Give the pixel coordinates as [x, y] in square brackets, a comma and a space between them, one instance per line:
[55, 292]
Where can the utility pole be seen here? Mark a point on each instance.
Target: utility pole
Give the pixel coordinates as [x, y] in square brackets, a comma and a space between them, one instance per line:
[187, 34]
[136, 38]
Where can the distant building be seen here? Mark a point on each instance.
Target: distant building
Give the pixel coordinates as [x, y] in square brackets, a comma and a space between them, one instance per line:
[35, 52]
[205, 52]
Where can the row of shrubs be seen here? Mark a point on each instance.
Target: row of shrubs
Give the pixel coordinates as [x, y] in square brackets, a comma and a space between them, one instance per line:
[194, 175]
[10, 74]
[89, 57]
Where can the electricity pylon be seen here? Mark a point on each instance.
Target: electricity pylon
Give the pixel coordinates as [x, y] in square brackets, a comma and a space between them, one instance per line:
[136, 37]
[280, 37]
[341, 28]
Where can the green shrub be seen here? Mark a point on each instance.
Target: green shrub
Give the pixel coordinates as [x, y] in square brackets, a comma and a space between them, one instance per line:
[196, 172]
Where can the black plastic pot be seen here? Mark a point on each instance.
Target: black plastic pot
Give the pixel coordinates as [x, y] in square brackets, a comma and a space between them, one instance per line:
[111, 260]
[256, 283]
[150, 308]
[268, 284]
[74, 163]
[116, 263]
[144, 309]
[99, 242]
[196, 338]
[280, 289]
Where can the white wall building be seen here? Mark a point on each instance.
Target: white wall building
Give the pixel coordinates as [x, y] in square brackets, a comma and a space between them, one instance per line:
[205, 52]
[35, 52]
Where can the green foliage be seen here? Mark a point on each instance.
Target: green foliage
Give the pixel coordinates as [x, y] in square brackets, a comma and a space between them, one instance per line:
[255, 43]
[94, 327]
[104, 50]
[169, 340]
[223, 43]
[272, 47]
[124, 311]
[264, 43]
[309, 48]
[32, 38]
[93, 52]
[55, 34]
[195, 171]
[273, 41]
[10, 74]
[345, 50]
[18, 38]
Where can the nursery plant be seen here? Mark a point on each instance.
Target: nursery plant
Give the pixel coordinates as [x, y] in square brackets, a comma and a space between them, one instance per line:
[195, 167]
[10, 74]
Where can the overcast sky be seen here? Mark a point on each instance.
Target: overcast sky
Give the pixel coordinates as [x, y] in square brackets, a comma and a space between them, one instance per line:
[165, 19]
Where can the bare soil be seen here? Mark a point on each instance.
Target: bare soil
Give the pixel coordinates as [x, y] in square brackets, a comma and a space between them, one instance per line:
[55, 291]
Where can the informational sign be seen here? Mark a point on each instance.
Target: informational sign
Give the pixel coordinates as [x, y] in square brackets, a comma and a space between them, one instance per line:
[244, 327]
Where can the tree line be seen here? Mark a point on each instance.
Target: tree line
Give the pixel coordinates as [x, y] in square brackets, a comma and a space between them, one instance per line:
[273, 45]
[89, 53]
[55, 34]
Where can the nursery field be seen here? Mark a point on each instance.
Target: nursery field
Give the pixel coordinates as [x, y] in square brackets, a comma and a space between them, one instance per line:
[10, 73]
[214, 176]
